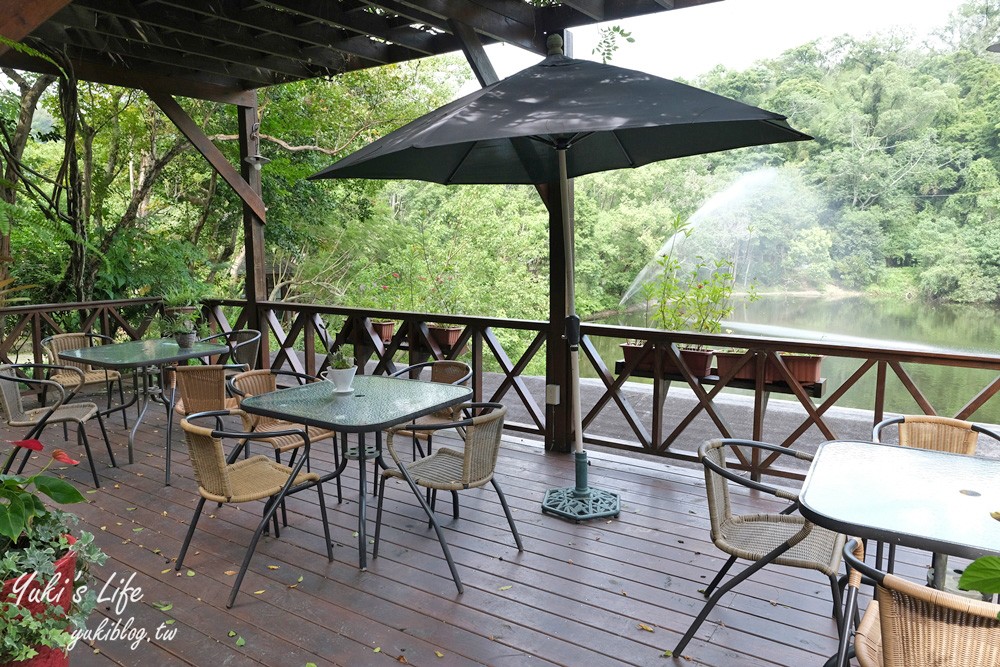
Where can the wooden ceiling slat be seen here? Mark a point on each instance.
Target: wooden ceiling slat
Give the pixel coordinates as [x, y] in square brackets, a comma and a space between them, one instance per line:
[361, 22]
[216, 49]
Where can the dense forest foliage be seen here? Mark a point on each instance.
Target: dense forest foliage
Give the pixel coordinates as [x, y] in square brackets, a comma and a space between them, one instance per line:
[899, 191]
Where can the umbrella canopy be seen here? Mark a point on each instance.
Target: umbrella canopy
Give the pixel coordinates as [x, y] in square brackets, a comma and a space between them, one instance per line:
[547, 124]
[607, 118]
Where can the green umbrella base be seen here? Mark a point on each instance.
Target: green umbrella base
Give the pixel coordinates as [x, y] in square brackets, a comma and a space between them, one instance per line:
[580, 502]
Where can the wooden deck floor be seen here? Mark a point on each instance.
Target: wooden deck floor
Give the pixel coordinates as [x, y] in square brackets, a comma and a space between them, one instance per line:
[606, 592]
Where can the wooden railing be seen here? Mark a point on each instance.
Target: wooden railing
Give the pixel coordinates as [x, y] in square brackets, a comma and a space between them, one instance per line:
[501, 351]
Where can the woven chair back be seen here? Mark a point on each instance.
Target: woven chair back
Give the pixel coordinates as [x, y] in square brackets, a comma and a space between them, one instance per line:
[53, 345]
[717, 488]
[938, 433]
[449, 372]
[208, 459]
[482, 447]
[10, 395]
[255, 383]
[202, 388]
[924, 627]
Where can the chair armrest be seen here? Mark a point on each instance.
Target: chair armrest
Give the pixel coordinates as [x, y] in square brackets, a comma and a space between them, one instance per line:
[731, 475]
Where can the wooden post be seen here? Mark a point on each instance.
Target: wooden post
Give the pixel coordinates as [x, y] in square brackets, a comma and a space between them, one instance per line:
[253, 223]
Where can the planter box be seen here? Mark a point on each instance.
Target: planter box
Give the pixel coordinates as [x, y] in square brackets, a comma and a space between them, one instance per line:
[445, 337]
[725, 361]
[804, 368]
[698, 361]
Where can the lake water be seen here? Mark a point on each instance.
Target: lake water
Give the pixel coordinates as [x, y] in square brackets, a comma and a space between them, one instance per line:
[880, 323]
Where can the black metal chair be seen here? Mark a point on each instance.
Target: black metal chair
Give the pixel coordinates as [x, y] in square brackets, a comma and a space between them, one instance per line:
[244, 346]
[233, 480]
[447, 372]
[452, 470]
[105, 377]
[783, 538]
[12, 376]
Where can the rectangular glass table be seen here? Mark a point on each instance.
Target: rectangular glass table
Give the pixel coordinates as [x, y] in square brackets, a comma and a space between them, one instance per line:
[932, 501]
[138, 354]
[376, 403]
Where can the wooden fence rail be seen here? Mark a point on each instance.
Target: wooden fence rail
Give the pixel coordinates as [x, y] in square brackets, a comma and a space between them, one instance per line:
[508, 356]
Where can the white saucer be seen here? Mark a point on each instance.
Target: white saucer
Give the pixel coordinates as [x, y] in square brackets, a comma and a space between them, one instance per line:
[349, 390]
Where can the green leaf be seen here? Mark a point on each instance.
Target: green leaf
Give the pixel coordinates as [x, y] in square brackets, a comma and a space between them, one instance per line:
[240, 641]
[58, 490]
[163, 606]
[983, 575]
[13, 516]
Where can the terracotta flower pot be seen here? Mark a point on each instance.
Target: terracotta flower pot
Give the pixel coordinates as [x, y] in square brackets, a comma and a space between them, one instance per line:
[445, 337]
[384, 330]
[804, 368]
[698, 361]
[60, 595]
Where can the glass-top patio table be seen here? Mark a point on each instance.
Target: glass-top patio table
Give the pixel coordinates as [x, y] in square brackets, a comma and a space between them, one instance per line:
[138, 354]
[375, 404]
[928, 500]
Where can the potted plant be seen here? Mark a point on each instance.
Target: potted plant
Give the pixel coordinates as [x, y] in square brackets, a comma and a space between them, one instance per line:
[805, 368]
[43, 565]
[182, 299]
[688, 299]
[184, 326]
[340, 370]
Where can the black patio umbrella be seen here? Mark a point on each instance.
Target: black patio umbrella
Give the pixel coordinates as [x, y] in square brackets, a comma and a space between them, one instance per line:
[551, 122]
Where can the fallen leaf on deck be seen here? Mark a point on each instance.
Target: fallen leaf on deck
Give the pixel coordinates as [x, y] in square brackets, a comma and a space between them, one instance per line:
[505, 588]
[439, 654]
[231, 633]
[668, 653]
[378, 649]
[240, 641]
[274, 567]
[163, 606]
[229, 573]
[165, 571]
[260, 592]
[643, 626]
[190, 573]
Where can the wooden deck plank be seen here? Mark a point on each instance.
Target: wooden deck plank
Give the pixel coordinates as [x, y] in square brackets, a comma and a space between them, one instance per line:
[578, 595]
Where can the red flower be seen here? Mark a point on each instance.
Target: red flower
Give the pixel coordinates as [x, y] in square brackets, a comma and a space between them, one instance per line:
[395, 274]
[61, 456]
[31, 443]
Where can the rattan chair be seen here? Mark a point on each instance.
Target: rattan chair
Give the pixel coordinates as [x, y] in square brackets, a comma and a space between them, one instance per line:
[201, 389]
[12, 376]
[268, 430]
[104, 377]
[911, 625]
[942, 434]
[452, 470]
[445, 372]
[782, 538]
[223, 480]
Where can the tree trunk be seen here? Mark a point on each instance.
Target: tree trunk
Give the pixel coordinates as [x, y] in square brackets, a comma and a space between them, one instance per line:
[30, 93]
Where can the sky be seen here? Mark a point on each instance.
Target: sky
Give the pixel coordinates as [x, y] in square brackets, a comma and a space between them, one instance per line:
[736, 33]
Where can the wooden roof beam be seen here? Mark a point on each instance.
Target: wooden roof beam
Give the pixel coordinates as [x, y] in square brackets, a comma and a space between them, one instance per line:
[593, 9]
[210, 151]
[102, 72]
[18, 18]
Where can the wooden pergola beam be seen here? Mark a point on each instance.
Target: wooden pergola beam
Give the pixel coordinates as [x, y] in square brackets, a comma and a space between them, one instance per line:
[18, 18]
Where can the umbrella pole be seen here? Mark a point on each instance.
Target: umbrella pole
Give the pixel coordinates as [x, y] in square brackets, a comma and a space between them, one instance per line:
[581, 502]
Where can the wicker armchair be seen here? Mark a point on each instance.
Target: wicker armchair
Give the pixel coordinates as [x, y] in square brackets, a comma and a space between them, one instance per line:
[445, 372]
[201, 389]
[270, 431]
[452, 470]
[12, 376]
[782, 538]
[941, 434]
[70, 380]
[911, 625]
[223, 480]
